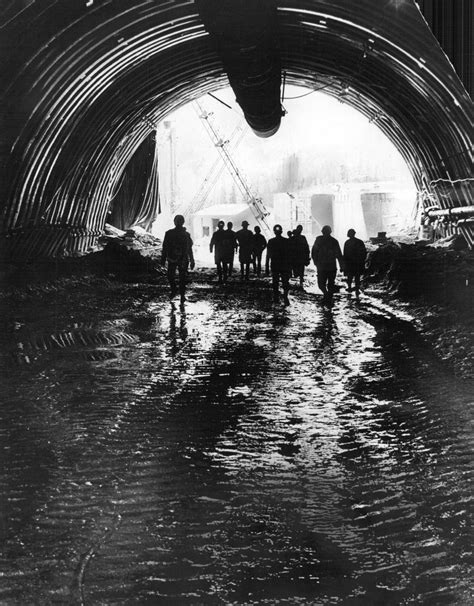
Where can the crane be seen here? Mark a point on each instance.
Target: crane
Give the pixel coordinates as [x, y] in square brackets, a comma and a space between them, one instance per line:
[255, 203]
[213, 174]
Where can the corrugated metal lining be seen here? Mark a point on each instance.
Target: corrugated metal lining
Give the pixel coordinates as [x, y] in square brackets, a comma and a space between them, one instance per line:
[452, 24]
[136, 199]
[86, 82]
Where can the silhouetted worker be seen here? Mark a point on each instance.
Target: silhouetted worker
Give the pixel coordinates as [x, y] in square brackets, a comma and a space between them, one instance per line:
[244, 238]
[278, 261]
[232, 235]
[301, 256]
[325, 251]
[223, 251]
[259, 245]
[354, 260]
[178, 251]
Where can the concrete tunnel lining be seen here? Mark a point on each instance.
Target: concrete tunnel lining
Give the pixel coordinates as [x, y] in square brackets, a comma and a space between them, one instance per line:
[91, 82]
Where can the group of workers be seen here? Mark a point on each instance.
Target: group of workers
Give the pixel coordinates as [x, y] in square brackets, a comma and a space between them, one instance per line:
[286, 257]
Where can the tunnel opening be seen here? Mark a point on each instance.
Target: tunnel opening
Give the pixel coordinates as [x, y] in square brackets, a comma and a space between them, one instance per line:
[83, 93]
[327, 164]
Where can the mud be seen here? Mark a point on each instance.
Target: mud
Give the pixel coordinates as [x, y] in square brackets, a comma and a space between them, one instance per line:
[228, 452]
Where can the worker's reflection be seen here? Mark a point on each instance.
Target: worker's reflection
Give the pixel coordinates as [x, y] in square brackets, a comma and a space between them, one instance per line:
[324, 335]
[178, 332]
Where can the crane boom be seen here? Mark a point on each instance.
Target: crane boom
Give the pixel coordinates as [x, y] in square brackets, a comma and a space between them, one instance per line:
[255, 203]
[213, 175]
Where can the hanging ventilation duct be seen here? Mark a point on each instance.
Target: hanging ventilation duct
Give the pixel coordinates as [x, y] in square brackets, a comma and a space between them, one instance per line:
[245, 36]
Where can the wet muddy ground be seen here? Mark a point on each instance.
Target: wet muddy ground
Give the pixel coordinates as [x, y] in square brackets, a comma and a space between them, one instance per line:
[228, 452]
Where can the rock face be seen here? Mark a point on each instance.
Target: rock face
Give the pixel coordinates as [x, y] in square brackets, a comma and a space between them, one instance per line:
[131, 255]
[437, 274]
[438, 281]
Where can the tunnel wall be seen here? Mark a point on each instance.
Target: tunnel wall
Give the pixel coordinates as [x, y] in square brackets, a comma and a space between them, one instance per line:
[86, 83]
[452, 24]
[136, 200]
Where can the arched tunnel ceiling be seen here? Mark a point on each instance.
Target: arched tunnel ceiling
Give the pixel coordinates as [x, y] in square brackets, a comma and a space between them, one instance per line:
[86, 81]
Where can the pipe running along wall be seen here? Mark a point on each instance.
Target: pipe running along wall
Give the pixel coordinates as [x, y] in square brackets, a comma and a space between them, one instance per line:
[85, 82]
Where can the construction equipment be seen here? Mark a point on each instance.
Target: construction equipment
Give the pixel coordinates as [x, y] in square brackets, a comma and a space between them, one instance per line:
[213, 174]
[255, 203]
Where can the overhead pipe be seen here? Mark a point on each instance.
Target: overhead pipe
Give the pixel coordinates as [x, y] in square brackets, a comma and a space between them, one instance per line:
[246, 37]
[458, 211]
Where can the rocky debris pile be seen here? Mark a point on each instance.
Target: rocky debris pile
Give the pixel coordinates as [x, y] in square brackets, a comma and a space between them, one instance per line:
[438, 281]
[454, 242]
[131, 255]
[439, 273]
[131, 252]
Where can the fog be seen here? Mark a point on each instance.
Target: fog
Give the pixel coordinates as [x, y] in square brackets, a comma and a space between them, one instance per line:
[322, 143]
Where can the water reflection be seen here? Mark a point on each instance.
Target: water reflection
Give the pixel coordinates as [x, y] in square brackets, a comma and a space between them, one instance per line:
[178, 333]
[229, 453]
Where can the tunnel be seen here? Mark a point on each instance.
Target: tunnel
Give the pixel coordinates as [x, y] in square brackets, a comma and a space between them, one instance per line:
[85, 84]
[200, 439]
